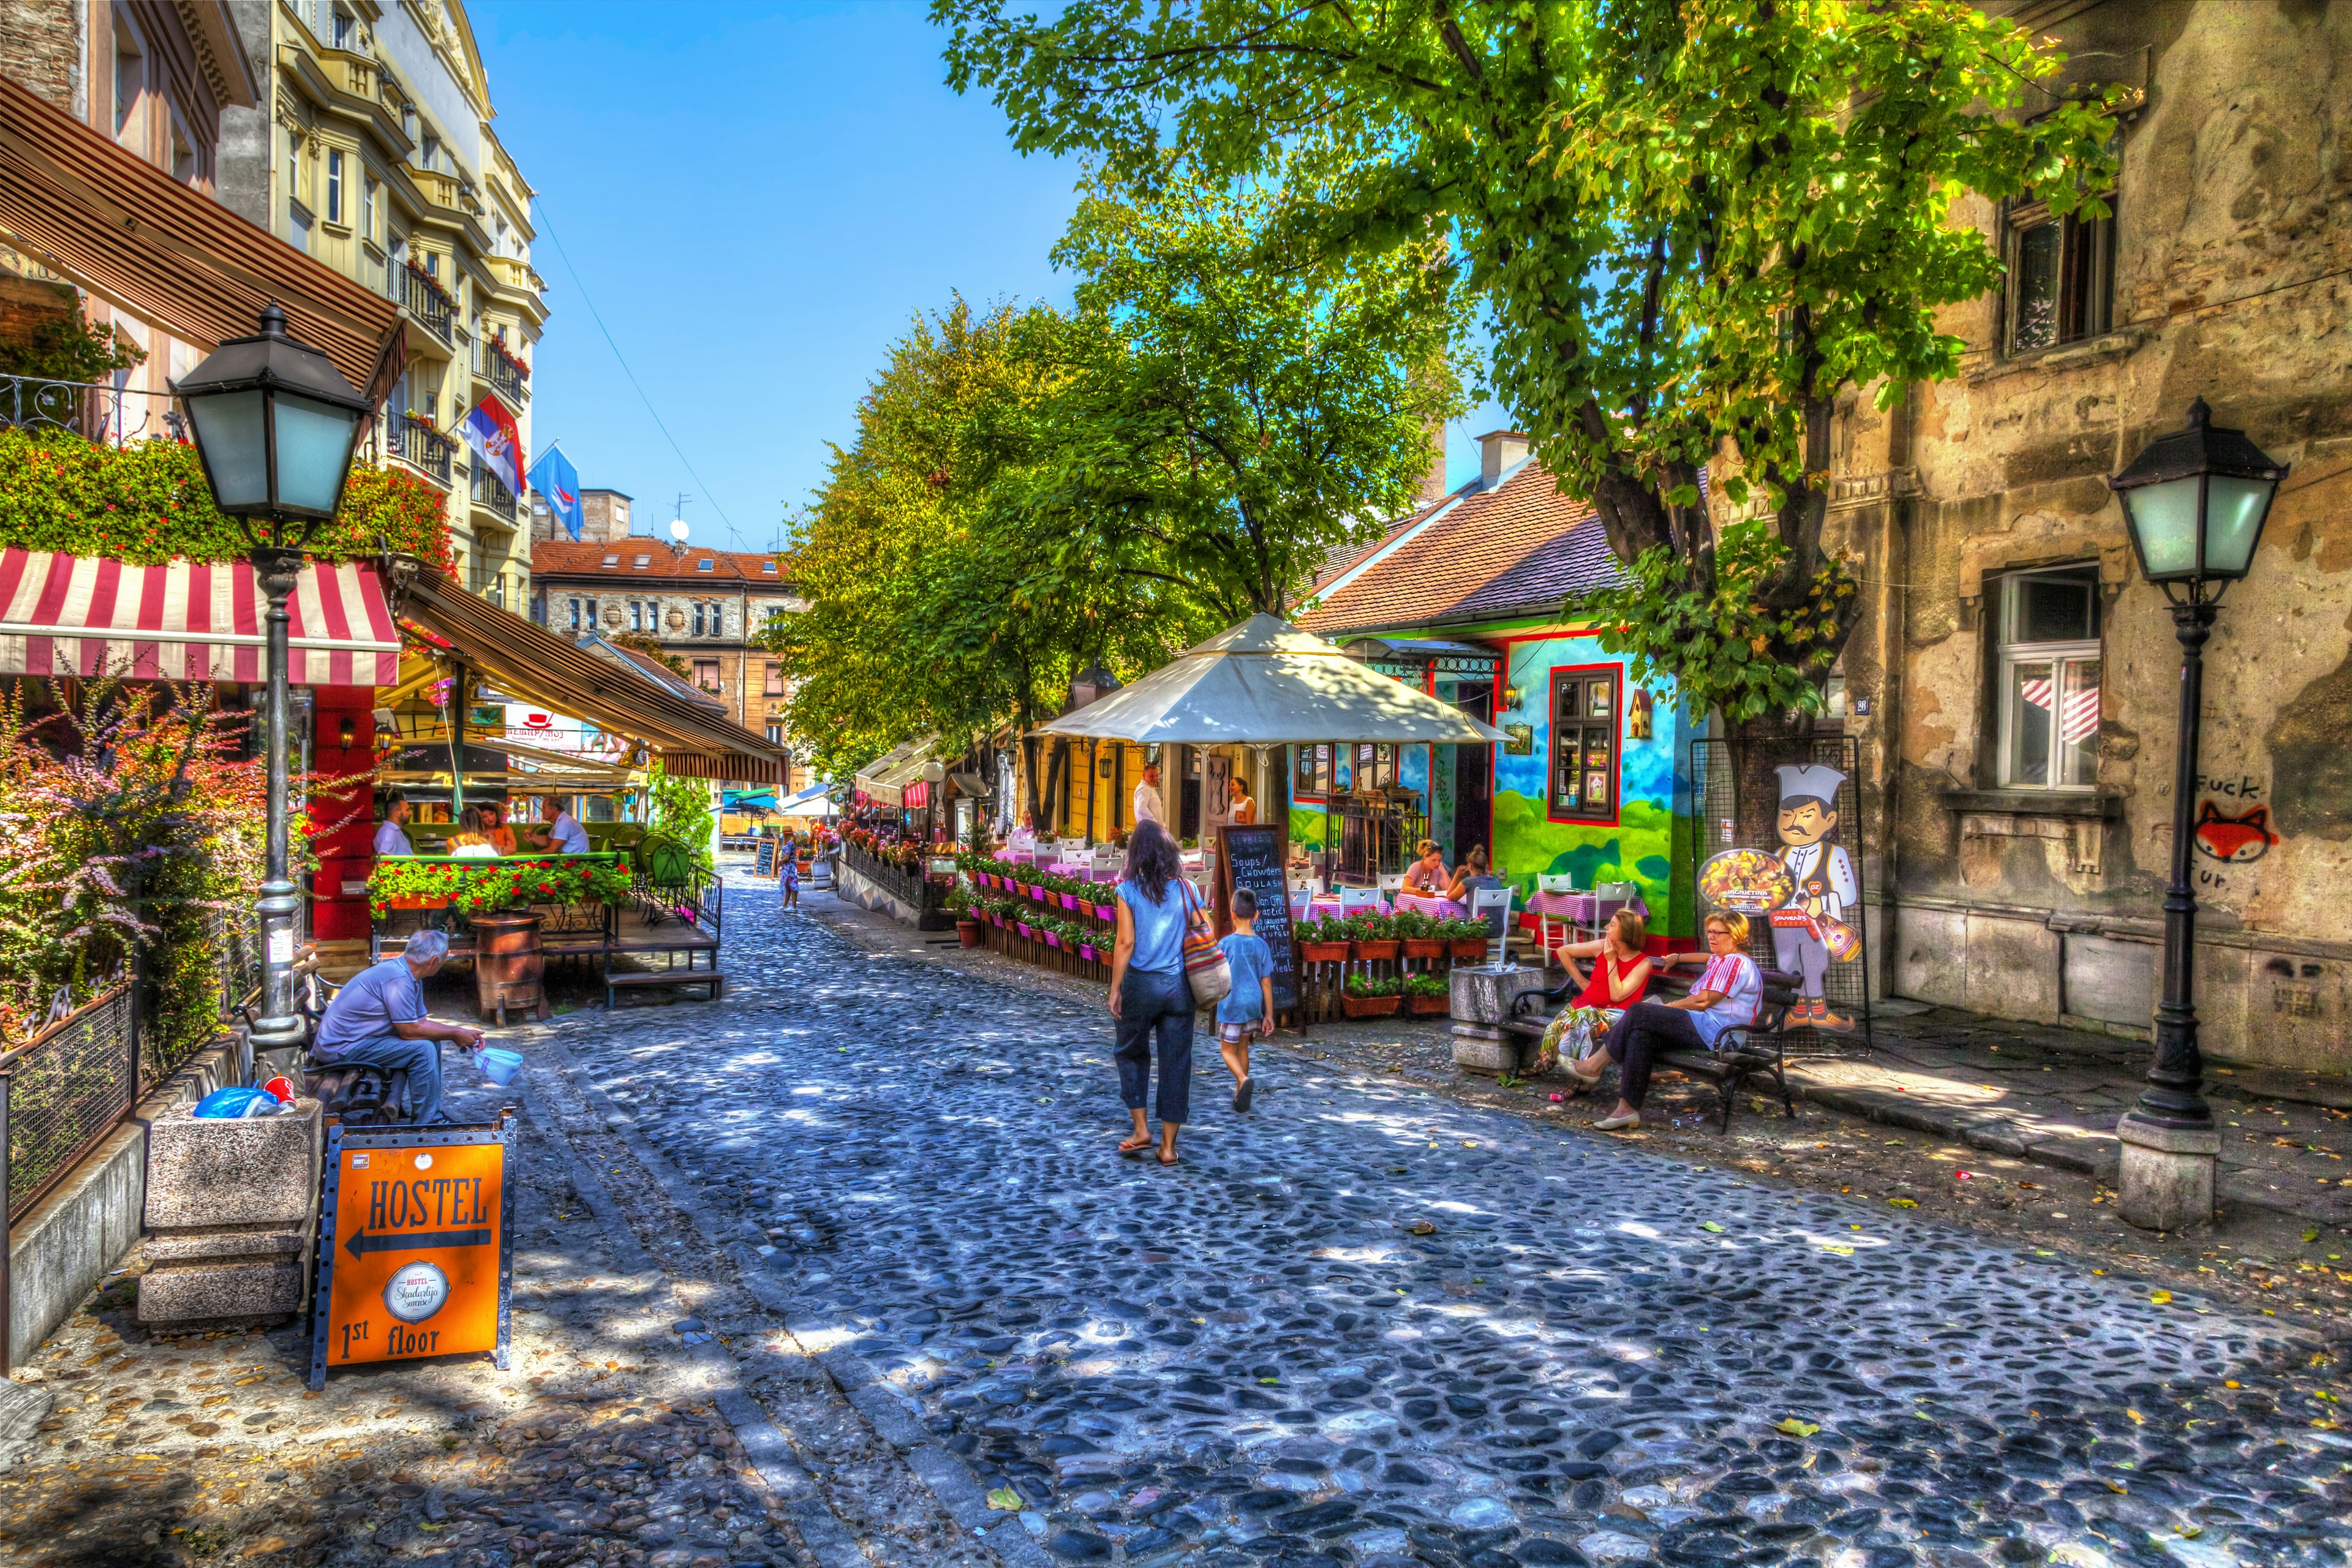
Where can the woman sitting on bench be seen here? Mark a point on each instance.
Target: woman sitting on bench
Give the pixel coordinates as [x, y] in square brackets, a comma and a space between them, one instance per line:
[1621, 973]
[1725, 994]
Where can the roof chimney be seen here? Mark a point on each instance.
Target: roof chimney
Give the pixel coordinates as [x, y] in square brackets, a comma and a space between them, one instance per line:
[1499, 451]
[1433, 487]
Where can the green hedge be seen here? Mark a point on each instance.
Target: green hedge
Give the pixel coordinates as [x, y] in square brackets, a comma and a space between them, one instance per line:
[148, 503]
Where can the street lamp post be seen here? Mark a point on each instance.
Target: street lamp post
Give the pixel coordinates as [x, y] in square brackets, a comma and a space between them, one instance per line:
[2195, 502]
[275, 427]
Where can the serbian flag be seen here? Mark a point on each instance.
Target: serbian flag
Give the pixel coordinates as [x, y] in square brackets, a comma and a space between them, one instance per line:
[490, 431]
[559, 481]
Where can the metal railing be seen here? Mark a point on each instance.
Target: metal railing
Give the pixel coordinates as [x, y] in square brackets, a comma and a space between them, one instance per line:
[419, 293]
[427, 451]
[67, 1088]
[1376, 838]
[491, 491]
[96, 412]
[236, 959]
[503, 373]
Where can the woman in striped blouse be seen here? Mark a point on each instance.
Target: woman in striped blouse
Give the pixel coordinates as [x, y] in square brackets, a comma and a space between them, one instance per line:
[1726, 993]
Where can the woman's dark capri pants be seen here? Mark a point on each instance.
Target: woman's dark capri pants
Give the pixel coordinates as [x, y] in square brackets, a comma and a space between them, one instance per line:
[1647, 1030]
[1156, 1007]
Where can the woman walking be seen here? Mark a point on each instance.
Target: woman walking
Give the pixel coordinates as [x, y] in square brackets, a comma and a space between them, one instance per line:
[1148, 994]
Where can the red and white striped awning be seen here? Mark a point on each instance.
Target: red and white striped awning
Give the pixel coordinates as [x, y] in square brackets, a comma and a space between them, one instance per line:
[73, 614]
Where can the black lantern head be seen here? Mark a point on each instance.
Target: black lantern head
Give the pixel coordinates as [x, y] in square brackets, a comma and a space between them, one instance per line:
[276, 422]
[2196, 501]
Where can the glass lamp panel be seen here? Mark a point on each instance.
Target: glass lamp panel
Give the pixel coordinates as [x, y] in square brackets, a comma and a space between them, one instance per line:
[2234, 521]
[314, 448]
[229, 439]
[2033, 700]
[2164, 521]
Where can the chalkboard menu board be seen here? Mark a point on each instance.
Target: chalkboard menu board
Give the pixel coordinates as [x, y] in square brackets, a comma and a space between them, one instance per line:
[1251, 857]
[765, 866]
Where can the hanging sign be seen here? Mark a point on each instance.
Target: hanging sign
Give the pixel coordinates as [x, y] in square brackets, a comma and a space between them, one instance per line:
[414, 1257]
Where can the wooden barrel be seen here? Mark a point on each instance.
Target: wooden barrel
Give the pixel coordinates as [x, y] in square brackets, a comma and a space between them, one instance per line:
[509, 967]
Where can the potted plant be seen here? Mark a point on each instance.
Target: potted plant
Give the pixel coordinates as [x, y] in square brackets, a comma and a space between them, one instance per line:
[1322, 941]
[1427, 994]
[1373, 936]
[1366, 998]
[1418, 932]
[959, 902]
[1468, 938]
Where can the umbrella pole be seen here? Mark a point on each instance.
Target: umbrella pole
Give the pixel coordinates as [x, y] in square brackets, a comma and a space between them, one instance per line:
[1093, 770]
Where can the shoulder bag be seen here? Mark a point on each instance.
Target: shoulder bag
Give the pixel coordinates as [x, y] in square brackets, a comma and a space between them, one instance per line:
[1205, 968]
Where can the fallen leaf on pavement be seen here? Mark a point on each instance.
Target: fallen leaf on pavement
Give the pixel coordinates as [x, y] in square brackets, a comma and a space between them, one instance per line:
[1005, 1499]
[2311, 1236]
[1710, 1225]
[1904, 1202]
[2161, 1297]
[1796, 1428]
[1423, 1227]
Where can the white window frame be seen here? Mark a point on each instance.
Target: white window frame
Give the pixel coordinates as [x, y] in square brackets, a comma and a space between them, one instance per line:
[2060, 657]
[335, 185]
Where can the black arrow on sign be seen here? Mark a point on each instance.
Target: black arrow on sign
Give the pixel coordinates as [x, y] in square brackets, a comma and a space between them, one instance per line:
[414, 1240]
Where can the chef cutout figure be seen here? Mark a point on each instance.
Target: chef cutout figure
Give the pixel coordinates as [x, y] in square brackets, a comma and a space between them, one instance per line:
[1809, 928]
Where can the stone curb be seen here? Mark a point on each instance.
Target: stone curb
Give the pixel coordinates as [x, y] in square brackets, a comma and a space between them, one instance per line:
[952, 1483]
[763, 1445]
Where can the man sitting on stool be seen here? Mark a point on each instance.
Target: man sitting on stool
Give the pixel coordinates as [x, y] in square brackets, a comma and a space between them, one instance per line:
[378, 1020]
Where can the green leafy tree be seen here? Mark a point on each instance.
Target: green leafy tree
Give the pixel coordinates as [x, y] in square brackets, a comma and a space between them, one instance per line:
[1239, 400]
[1692, 223]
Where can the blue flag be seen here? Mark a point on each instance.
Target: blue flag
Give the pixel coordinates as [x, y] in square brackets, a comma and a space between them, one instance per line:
[559, 481]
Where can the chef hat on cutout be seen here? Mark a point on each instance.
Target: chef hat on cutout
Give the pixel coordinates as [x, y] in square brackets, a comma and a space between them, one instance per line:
[1818, 783]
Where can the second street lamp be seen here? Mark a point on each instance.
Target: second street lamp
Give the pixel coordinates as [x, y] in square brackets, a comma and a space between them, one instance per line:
[274, 425]
[2195, 502]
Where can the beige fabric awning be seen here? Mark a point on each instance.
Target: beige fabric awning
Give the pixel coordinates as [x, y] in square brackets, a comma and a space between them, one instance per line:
[531, 662]
[174, 257]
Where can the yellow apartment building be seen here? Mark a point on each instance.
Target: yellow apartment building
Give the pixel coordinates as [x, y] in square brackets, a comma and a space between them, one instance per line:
[377, 156]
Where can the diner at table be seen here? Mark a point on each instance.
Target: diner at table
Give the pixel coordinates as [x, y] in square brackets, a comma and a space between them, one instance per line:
[1428, 874]
[391, 833]
[1472, 875]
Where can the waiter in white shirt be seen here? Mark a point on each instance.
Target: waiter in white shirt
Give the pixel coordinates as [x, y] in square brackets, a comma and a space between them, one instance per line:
[389, 838]
[1147, 796]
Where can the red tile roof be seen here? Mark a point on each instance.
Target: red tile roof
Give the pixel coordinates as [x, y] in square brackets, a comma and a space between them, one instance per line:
[1518, 548]
[565, 558]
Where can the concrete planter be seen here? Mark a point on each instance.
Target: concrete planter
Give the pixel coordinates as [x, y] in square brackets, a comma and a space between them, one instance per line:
[232, 1213]
[1482, 998]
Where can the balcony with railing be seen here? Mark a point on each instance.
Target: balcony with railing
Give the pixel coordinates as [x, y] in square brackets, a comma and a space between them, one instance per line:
[509, 375]
[421, 447]
[420, 293]
[97, 412]
[486, 488]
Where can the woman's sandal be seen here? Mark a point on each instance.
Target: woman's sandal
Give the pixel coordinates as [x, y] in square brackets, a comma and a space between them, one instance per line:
[1135, 1146]
[1169, 1160]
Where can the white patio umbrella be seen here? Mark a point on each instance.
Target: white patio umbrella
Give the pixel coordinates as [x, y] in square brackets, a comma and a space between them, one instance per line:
[1267, 683]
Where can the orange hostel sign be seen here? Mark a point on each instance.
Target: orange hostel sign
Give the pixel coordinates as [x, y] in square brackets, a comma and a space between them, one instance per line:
[414, 1260]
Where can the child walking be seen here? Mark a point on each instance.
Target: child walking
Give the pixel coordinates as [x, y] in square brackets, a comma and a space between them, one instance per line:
[789, 873]
[1248, 1008]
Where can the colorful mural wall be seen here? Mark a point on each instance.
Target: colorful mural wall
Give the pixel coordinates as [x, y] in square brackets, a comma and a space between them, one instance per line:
[1533, 835]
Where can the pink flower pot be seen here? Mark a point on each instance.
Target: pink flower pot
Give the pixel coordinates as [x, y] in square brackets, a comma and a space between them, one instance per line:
[1086, 952]
[1027, 931]
[1069, 900]
[1052, 939]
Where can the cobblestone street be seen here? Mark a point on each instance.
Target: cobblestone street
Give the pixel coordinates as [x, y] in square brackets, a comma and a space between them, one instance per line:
[1360, 1325]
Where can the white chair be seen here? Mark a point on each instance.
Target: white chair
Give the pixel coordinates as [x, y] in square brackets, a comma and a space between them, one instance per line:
[1492, 905]
[1554, 883]
[1392, 883]
[1360, 900]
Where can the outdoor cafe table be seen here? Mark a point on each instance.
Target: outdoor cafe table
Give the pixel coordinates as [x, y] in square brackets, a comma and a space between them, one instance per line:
[1430, 904]
[1583, 909]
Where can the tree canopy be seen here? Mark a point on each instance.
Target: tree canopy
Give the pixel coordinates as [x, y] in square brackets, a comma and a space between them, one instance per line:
[1691, 224]
[1030, 491]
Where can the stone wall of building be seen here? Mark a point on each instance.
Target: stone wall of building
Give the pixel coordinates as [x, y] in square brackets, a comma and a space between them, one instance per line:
[2231, 235]
[41, 48]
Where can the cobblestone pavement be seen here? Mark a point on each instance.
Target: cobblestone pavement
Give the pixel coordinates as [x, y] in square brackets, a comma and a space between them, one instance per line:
[1363, 1325]
[602, 1440]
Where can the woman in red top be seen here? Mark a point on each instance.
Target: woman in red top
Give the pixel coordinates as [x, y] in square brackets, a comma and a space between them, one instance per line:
[1620, 973]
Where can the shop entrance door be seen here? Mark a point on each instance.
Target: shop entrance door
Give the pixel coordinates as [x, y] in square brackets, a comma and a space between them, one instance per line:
[1474, 777]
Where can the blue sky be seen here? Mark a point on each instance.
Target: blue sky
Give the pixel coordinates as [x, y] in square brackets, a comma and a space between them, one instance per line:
[756, 198]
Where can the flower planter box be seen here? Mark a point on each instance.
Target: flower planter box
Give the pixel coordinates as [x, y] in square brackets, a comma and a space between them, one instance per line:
[416, 904]
[1028, 931]
[1069, 900]
[1471, 947]
[1086, 952]
[996, 920]
[1425, 947]
[1107, 912]
[1370, 1006]
[1052, 939]
[1428, 1007]
[1323, 952]
[1373, 950]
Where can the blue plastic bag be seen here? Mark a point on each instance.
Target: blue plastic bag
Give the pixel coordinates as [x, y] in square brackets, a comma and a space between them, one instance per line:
[229, 1104]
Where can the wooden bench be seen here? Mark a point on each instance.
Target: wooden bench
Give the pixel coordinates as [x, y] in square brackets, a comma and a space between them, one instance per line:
[1743, 1052]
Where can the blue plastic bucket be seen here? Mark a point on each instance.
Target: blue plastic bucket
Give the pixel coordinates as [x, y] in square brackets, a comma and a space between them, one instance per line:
[501, 1066]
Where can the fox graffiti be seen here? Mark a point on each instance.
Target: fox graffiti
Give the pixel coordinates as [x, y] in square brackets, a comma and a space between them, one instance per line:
[2234, 840]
